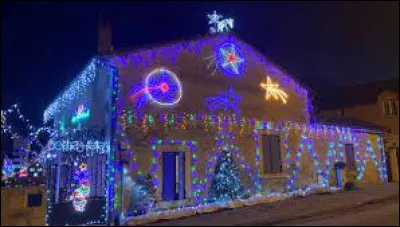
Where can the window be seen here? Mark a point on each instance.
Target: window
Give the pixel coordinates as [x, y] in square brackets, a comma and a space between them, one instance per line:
[272, 161]
[390, 107]
[34, 200]
[350, 162]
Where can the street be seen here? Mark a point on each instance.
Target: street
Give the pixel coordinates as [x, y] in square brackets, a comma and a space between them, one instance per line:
[380, 214]
[372, 205]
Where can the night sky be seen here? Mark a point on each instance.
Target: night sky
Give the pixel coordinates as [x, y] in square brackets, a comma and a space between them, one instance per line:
[44, 45]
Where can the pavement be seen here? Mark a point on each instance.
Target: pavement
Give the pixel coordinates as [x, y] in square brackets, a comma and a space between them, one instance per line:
[385, 213]
[292, 209]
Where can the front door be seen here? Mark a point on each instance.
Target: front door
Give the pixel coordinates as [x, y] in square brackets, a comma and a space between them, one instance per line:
[173, 176]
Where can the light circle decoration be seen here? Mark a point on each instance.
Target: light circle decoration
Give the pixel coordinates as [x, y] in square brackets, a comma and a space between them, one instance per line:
[230, 59]
[163, 87]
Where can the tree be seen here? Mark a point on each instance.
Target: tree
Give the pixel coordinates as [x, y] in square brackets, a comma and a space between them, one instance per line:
[226, 183]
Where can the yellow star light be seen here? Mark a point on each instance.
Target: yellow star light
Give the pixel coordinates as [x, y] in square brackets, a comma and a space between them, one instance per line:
[273, 90]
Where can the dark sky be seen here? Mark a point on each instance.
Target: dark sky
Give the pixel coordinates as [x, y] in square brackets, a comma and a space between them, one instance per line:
[45, 44]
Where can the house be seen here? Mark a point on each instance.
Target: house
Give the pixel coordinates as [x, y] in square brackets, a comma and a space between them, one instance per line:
[23, 206]
[371, 103]
[173, 113]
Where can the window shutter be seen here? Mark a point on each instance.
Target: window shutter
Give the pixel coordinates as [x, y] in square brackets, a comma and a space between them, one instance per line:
[276, 155]
[266, 145]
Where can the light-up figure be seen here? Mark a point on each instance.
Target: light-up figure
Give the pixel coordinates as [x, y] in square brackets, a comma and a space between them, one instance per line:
[224, 25]
[273, 90]
[81, 114]
[80, 194]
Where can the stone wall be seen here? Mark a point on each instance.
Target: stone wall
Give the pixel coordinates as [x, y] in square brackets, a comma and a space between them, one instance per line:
[310, 160]
[15, 210]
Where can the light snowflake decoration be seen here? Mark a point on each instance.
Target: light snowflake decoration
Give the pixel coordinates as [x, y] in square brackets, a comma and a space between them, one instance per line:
[273, 90]
[224, 101]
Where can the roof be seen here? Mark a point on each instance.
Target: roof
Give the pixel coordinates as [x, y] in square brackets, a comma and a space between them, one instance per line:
[358, 94]
[351, 123]
[128, 50]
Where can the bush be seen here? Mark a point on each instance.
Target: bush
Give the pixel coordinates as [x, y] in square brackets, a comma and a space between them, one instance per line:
[142, 196]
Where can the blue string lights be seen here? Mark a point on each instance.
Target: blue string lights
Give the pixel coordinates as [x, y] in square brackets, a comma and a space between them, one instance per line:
[228, 101]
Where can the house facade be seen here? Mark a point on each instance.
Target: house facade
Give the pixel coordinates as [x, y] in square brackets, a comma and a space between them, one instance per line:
[376, 104]
[171, 112]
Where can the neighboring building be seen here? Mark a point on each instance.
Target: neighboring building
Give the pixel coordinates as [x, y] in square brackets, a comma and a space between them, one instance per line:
[369, 104]
[23, 206]
[169, 111]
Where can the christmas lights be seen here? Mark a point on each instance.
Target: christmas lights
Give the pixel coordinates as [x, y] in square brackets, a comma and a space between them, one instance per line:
[190, 146]
[82, 114]
[163, 87]
[74, 91]
[230, 59]
[6, 127]
[82, 191]
[273, 90]
[90, 147]
[217, 25]
[225, 101]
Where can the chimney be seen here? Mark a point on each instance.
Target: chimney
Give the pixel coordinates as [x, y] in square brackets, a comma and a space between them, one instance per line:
[104, 46]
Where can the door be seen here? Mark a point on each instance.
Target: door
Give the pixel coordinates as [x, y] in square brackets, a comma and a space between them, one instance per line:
[173, 176]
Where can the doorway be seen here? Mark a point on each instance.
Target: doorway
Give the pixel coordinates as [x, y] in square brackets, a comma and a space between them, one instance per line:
[173, 176]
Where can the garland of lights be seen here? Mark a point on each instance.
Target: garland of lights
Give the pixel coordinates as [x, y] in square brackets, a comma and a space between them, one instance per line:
[76, 89]
[7, 129]
[214, 122]
[155, 161]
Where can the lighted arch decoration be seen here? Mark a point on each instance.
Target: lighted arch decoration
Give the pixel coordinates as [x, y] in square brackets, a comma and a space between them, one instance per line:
[162, 86]
[230, 59]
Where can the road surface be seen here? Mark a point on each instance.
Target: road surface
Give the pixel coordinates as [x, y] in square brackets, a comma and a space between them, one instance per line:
[380, 214]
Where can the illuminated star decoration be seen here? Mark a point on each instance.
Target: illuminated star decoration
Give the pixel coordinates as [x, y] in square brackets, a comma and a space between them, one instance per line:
[231, 59]
[224, 101]
[273, 90]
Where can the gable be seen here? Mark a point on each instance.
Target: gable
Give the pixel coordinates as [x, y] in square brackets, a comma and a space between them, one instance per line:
[203, 75]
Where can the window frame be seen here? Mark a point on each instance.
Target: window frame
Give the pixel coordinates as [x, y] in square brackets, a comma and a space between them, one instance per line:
[393, 109]
[282, 172]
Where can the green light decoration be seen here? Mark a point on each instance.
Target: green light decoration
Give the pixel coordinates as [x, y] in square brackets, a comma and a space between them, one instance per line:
[82, 114]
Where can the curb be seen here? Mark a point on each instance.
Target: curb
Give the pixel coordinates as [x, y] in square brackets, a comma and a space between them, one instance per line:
[343, 209]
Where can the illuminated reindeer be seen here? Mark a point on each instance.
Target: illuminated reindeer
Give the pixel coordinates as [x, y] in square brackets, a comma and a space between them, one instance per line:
[224, 25]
